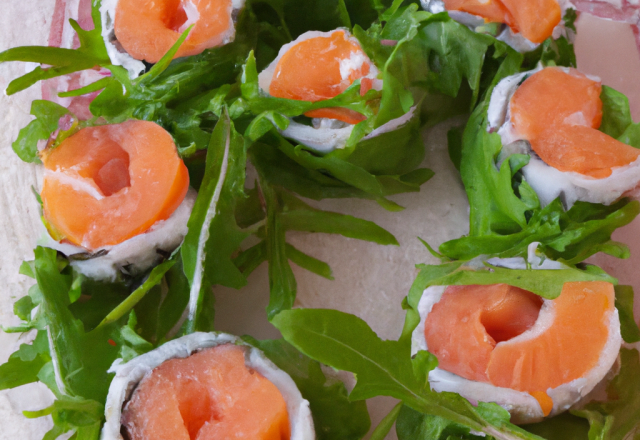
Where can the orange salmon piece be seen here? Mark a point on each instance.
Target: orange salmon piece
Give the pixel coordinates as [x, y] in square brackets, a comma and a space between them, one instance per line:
[209, 395]
[473, 330]
[534, 19]
[583, 150]
[147, 29]
[492, 11]
[465, 325]
[551, 97]
[321, 68]
[106, 184]
[559, 113]
[564, 351]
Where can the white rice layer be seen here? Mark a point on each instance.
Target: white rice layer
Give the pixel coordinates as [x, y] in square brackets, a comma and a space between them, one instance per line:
[134, 255]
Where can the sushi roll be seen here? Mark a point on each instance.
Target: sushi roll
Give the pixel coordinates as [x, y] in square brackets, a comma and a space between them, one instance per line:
[143, 30]
[318, 66]
[499, 343]
[205, 385]
[553, 115]
[526, 24]
[115, 197]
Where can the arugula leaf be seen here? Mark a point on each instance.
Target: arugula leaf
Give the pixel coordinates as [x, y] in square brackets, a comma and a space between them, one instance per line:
[308, 262]
[345, 342]
[385, 425]
[340, 169]
[70, 361]
[301, 217]
[335, 417]
[282, 282]
[570, 236]
[84, 416]
[624, 304]
[616, 117]
[80, 359]
[133, 344]
[413, 425]
[155, 276]
[24, 365]
[619, 417]
[213, 233]
[48, 115]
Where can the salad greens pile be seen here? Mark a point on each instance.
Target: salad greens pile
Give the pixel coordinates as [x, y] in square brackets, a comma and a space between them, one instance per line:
[226, 129]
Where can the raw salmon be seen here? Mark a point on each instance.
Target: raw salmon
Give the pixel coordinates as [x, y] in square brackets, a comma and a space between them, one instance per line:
[322, 67]
[106, 184]
[534, 19]
[209, 395]
[510, 338]
[559, 113]
[147, 29]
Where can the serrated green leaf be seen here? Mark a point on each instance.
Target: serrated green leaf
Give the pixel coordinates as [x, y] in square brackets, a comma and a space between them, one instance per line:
[308, 262]
[624, 303]
[616, 115]
[47, 115]
[155, 276]
[282, 283]
[213, 233]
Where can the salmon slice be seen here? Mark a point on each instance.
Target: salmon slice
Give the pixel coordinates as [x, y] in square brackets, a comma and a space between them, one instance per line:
[209, 395]
[147, 29]
[566, 349]
[492, 11]
[320, 68]
[559, 113]
[534, 19]
[106, 184]
[466, 324]
[510, 338]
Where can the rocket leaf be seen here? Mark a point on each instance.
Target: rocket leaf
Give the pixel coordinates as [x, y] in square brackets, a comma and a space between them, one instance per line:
[347, 343]
[213, 233]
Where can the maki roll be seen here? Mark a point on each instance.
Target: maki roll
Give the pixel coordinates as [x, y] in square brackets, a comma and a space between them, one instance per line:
[318, 66]
[116, 197]
[499, 343]
[205, 385]
[553, 115]
[525, 24]
[143, 30]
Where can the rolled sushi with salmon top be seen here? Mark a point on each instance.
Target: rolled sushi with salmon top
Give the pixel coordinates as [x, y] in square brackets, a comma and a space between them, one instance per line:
[499, 343]
[318, 66]
[525, 24]
[144, 30]
[115, 198]
[553, 114]
[205, 386]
